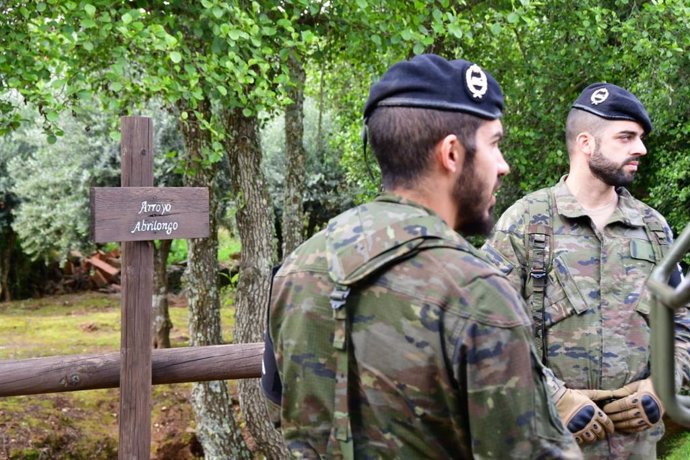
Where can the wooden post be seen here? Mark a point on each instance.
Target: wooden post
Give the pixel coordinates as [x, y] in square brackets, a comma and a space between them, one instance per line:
[136, 214]
[137, 289]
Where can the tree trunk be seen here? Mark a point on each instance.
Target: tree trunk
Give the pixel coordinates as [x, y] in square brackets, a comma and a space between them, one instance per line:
[5, 259]
[218, 431]
[293, 216]
[254, 224]
[161, 315]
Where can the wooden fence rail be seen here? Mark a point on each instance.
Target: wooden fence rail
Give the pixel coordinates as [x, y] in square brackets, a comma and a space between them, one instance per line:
[89, 372]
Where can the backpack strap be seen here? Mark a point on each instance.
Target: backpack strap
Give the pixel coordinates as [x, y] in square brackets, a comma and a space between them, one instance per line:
[342, 445]
[539, 253]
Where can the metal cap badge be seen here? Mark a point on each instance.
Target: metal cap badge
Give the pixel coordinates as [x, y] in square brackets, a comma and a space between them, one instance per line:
[476, 81]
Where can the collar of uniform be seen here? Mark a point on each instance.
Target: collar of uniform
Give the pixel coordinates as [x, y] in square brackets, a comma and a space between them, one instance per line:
[365, 238]
[392, 198]
[626, 211]
[448, 233]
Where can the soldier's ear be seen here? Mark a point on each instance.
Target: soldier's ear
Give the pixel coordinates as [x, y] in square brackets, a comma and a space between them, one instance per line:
[450, 154]
[586, 143]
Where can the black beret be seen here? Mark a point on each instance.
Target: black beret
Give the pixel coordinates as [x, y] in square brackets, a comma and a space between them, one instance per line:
[429, 81]
[613, 103]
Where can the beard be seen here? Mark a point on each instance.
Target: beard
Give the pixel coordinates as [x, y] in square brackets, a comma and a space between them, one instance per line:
[474, 216]
[609, 172]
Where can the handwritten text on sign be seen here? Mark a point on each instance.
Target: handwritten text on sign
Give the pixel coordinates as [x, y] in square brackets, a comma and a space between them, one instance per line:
[155, 209]
[149, 213]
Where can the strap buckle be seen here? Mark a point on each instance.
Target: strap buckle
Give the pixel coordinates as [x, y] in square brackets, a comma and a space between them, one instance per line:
[538, 279]
[339, 296]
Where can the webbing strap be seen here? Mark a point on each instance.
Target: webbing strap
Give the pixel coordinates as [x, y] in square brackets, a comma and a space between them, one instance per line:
[540, 238]
[341, 434]
[538, 241]
[341, 443]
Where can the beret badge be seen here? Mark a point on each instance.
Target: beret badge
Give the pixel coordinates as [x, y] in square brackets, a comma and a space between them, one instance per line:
[476, 81]
[599, 96]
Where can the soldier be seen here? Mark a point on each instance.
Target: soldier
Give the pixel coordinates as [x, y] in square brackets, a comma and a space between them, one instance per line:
[580, 253]
[393, 337]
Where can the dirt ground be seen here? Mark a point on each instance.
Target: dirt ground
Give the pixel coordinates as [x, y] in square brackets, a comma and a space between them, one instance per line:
[58, 426]
[84, 425]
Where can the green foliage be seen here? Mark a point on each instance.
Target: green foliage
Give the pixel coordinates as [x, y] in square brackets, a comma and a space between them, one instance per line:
[49, 184]
[228, 247]
[200, 58]
[326, 190]
[543, 54]
[178, 252]
[52, 183]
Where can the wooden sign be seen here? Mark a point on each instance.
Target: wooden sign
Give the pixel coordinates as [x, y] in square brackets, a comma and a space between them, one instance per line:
[149, 213]
[136, 214]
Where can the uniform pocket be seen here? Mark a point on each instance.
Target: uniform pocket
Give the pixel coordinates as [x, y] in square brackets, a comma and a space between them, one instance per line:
[638, 266]
[642, 250]
[563, 297]
[571, 336]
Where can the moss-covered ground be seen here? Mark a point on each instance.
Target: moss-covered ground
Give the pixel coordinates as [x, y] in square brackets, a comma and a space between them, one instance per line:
[83, 425]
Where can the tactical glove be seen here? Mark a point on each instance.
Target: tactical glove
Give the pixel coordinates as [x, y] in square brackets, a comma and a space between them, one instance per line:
[638, 409]
[601, 397]
[582, 417]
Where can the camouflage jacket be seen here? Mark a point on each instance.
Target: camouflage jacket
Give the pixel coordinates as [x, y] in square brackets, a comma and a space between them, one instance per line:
[440, 361]
[595, 303]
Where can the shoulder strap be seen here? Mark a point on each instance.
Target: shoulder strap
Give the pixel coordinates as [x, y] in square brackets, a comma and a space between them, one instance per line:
[539, 253]
[341, 443]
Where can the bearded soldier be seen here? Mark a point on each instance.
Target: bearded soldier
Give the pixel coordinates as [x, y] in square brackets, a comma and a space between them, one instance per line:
[393, 337]
[580, 253]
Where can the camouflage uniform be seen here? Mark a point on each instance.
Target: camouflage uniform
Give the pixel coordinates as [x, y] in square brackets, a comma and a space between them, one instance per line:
[595, 304]
[436, 344]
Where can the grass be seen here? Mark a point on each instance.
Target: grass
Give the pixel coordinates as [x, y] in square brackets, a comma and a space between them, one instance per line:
[83, 424]
[676, 443]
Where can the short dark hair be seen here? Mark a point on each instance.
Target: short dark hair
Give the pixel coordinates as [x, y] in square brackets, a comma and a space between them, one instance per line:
[579, 121]
[403, 139]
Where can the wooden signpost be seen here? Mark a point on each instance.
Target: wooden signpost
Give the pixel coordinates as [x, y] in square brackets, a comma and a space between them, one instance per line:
[136, 214]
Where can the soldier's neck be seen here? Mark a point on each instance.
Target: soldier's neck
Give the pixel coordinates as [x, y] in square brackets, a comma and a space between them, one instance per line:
[438, 202]
[590, 191]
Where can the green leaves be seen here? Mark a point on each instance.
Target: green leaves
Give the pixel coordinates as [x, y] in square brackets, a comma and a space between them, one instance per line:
[228, 54]
[512, 17]
[90, 10]
[175, 56]
[52, 116]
